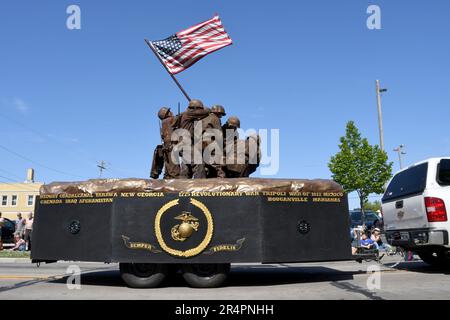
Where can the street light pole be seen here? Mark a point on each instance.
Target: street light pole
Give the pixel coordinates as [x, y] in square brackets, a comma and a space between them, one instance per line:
[400, 152]
[380, 116]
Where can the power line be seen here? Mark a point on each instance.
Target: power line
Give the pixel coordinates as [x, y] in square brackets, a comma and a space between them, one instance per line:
[11, 174]
[87, 159]
[48, 137]
[15, 183]
[120, 171]
[23, 126]
[39, 164]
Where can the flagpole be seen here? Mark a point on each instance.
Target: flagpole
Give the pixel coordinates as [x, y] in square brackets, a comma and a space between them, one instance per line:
[162, 62]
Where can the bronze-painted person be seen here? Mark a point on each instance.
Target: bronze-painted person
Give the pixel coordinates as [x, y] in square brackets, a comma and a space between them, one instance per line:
[195, 112]
[212, 121]
[234, 157]
[217, 112]
[252, 154]
[171, 169]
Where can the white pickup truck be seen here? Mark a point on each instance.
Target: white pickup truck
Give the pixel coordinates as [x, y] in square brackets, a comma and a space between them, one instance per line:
[414, 209]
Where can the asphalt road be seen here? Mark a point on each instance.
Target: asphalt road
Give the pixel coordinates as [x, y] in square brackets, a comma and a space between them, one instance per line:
[19, 279]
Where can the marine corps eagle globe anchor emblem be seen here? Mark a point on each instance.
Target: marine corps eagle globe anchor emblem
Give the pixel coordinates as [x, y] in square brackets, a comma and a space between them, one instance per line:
[181, 232]
[184, 230]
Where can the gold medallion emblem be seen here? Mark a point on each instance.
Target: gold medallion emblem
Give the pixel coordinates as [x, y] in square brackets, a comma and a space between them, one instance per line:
[181, 232]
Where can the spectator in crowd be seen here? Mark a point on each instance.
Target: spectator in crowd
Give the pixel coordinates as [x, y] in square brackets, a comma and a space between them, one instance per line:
[355, 236]
[353, 240]
[20, 225]
[376, 237]
[28, 230]
[366, 242]
[20, 244]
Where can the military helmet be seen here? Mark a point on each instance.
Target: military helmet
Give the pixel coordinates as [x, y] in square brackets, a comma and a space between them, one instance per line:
[234, 122]
[218, 109]
[163, 113]
[254, 136]
[195, 104]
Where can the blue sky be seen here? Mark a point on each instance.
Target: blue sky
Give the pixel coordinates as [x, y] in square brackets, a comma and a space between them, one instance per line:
[69, 98]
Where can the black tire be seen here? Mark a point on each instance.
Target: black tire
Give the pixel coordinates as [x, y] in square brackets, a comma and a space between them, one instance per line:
[435, 258]
[205, 275]
[143, 275]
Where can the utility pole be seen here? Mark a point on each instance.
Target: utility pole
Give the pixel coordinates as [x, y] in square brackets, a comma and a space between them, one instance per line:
[101, 166]
[380, 116]
[400, 152]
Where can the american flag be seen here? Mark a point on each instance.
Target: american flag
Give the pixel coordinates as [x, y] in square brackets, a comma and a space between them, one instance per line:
[183, 49]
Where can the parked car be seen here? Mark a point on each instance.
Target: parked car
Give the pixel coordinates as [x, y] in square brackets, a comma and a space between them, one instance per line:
[371, 219]
[8, 229]
[414, 210]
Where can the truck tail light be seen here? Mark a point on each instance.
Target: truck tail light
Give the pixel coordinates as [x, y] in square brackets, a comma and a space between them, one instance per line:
[436, 211]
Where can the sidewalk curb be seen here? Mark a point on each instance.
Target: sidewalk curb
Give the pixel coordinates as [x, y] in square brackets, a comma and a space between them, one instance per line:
[15, 260]
[28, 260]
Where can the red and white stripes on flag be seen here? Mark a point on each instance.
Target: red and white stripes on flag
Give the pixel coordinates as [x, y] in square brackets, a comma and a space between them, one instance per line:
[183, 49]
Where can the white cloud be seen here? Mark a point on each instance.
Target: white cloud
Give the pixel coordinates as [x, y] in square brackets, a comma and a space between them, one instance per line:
[72, 140]
[20, 105]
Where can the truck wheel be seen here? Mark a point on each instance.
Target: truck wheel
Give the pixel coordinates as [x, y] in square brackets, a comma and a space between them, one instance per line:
[143, 275]
[435, 258]
[205, 275]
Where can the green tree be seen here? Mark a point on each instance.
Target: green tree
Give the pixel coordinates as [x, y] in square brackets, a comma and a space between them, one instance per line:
[360, 167]
[372, 206]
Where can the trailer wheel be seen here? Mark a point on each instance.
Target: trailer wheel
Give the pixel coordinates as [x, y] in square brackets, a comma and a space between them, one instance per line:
[205, 275]
[143, 275]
